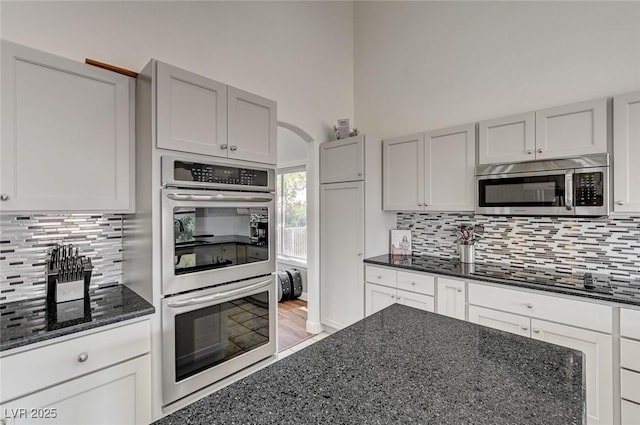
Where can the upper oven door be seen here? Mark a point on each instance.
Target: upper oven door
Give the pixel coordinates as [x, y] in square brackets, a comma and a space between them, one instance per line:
[534, 193]
[211, 237]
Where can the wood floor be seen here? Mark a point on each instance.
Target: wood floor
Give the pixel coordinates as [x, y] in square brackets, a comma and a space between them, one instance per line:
[292, 322]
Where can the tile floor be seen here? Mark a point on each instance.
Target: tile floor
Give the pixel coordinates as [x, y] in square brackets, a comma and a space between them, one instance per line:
[302, 345]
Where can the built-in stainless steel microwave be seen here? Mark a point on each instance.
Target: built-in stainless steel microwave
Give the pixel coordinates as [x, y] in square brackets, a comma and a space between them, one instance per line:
[562, 187]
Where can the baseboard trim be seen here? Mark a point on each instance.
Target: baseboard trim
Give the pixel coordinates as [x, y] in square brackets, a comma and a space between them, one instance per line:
[314, 327]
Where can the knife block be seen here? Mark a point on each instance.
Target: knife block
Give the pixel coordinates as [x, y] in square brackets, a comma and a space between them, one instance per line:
[59, 292]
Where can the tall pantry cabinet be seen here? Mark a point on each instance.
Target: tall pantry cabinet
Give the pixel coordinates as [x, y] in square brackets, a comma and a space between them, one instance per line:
[352, 224]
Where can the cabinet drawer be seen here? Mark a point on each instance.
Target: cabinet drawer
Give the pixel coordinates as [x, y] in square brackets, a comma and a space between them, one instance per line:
[630, 354]
[380, 276]
[500, 320]
[630, 413]
[570, 312]
[416, 282]
[257, 252]
[419, 301]
[28, 371]
[630, 385]
[630, 323]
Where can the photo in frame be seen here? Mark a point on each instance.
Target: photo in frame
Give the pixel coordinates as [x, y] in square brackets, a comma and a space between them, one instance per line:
[401, 243]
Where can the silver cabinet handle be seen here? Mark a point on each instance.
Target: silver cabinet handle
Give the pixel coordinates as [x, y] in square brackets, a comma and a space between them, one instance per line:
[529, 305]
[530, 152]
[379, 277]
[524, 328]
[413, 283]
[459, 290]
[359, 254]
[4, 197]
[393, 296]
[398, 298]
[83, 357]
[359, 174]
[619, 202]
[223, 147]
[233, 148]
[419, 204]
[539, 150]
[536, 330]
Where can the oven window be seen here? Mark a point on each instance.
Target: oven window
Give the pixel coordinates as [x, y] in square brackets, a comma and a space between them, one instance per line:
[211, 335]
[534, 191]
[217, 237]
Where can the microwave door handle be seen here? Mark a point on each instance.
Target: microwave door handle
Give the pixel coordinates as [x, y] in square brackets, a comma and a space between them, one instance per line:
[208, 298]
[219, 197]
[568, 191]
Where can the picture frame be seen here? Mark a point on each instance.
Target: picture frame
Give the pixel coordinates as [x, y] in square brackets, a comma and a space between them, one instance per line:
[400, 243]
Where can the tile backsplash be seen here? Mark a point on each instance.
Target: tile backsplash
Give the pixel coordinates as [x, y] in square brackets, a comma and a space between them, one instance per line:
[26, 239]
[606, 245]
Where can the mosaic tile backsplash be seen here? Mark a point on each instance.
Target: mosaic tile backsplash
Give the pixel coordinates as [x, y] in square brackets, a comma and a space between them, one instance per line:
[26, 239]
[607, 245]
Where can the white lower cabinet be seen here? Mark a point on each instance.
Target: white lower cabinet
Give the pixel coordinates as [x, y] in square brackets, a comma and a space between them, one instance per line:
[116, 395]
[513, 323]
[630, 413]
[540, 316]
[630, 366]
[597, 349]
[385, 287]
[98, 377]
[451, 298]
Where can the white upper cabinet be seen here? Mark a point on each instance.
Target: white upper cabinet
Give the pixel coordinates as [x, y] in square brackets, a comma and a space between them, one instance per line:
[507, 139]
[431, 171]
[570, 130]
[67, 135]
[191, 112]
[626, 151]
[199, 115]
[449, 161]
[559, 132]
[403, 173]
[342, 160]
[252, 129]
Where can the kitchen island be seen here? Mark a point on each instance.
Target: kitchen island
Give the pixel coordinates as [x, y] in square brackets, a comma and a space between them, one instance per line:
[403, 365]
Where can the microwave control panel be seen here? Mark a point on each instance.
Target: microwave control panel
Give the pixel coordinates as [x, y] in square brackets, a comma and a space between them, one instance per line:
[589, 189]
[219, 174]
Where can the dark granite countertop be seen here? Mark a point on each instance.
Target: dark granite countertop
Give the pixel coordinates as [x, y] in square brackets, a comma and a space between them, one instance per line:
[403, 365]
[606, 288]
[34, 320]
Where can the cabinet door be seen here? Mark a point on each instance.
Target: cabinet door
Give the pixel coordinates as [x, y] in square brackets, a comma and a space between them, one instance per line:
[449, 161]
[507, 139]
[67, 135]
[342, 160]
[378, 297]
[569, 130]
[597, 348]
[229, 253]
[341, 250]
[191, 112]
[403, 173]
[626, 151]
[252, 127]
[419, 301]
[630, 413]
[451, 298]
[241, 253]
[117, 395]
[507, 322]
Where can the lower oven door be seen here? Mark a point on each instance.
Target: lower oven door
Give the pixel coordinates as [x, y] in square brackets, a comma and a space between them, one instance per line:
[213, 333]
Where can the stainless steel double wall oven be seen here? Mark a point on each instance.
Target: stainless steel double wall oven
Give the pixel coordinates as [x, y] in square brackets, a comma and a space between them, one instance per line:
[218, 257]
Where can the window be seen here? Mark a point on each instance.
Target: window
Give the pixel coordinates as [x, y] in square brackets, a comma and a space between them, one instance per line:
[291, 187]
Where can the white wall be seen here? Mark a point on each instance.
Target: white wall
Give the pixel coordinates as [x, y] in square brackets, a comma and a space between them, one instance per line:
[292, 149]
[428, 65]
[297, 53]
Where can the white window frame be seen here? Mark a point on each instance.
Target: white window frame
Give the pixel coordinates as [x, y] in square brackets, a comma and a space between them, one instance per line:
[294, 261]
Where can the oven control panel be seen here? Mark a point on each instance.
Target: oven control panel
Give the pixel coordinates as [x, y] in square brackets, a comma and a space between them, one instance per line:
[588, 188]
[216, 175]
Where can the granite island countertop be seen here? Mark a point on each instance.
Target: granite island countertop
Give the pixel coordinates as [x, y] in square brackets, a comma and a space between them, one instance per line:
[403, 365]
[605, 288]
[34, 320]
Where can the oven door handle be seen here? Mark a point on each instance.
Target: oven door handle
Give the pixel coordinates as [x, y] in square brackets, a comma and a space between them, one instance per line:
[208, 298]
[219, 197]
